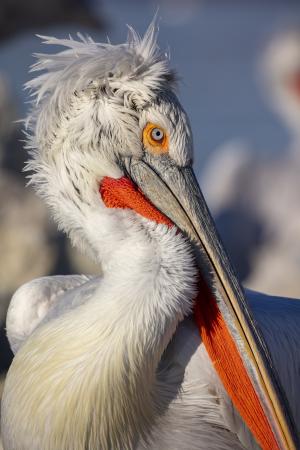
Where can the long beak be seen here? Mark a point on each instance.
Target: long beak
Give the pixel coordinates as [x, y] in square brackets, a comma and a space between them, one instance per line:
[176, 193]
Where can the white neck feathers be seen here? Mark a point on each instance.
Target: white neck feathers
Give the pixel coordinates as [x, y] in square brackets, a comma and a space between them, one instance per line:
[97, 375]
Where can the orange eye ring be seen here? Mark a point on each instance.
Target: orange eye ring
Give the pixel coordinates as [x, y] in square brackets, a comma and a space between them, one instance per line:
[155, 139]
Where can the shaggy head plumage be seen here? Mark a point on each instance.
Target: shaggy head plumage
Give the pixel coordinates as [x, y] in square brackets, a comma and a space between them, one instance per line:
[89, 108]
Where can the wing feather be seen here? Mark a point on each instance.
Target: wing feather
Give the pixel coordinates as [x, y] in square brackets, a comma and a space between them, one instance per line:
[32, 302]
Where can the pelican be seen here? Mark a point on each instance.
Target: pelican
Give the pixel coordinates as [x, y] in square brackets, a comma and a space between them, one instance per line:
[261, 193]
[162, 351]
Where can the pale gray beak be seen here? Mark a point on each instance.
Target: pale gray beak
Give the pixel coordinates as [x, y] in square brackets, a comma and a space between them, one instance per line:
[175, 192]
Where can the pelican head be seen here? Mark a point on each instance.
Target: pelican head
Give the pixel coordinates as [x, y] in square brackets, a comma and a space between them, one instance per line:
[111, 153]
[99, 106]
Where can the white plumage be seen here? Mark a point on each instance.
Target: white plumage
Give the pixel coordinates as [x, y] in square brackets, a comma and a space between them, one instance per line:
[116, 362]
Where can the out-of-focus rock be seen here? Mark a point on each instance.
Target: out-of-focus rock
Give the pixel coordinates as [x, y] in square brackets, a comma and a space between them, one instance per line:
[26, 247]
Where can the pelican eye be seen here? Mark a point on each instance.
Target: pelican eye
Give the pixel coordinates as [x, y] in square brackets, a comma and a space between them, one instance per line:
[155, 139]
[157, 134]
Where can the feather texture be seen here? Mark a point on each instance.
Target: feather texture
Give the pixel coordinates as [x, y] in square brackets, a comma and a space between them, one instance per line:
[112, 362]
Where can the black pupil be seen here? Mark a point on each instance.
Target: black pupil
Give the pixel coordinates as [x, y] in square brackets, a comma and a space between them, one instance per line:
[157, 134]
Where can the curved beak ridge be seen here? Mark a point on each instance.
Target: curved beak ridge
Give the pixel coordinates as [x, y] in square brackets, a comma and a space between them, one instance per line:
[175, 192]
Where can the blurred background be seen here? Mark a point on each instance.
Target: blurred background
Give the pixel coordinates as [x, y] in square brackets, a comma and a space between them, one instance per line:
[239, 62]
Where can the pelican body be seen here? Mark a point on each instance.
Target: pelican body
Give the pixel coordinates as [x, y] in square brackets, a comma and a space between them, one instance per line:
[163, 351]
